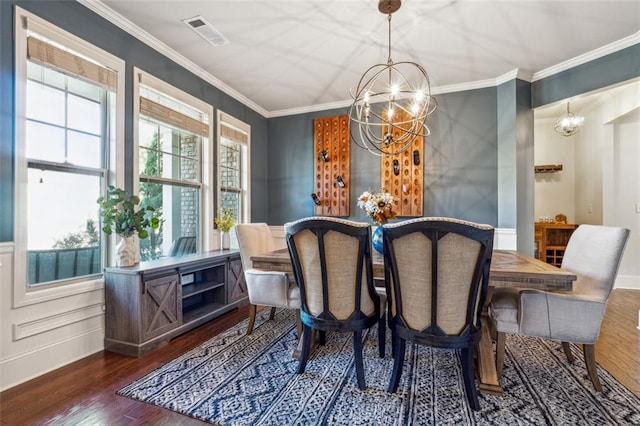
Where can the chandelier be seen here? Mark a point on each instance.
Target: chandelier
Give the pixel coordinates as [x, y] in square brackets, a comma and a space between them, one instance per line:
[391, 102]
[569, 124]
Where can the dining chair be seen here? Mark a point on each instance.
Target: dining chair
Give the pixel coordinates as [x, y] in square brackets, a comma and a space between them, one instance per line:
[266, 288]
[182, 245]
[436, 273]
[593, 254]
[333, 267]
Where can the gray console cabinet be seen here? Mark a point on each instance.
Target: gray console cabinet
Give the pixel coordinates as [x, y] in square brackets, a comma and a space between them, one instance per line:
[150, 303]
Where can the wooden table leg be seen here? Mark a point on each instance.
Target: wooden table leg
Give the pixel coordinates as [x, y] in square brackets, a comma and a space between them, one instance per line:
[486, 362]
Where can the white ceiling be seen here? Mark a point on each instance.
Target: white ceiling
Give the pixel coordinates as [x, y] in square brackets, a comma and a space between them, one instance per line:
[295, 55]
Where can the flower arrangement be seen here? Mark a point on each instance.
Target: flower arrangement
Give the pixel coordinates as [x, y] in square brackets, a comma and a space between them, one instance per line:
[378, 206]
[226, 220]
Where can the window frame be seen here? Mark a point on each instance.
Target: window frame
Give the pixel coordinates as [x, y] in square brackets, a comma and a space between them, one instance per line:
[245, 195]
[141, 77]
[24, 294]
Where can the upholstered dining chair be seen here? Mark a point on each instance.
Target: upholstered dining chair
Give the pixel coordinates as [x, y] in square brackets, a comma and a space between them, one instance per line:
[436, 273]
[266, 288]
[593, 254]
[182, 245]
[333, 267]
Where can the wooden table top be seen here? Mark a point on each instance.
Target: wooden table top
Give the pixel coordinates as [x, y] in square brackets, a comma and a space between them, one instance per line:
[508, 269]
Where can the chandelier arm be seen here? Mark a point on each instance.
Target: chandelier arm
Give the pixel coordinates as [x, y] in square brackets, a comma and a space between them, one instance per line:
[389, 46]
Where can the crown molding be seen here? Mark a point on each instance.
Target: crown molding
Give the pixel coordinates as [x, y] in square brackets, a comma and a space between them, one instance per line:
[473, 85]
[120, 21]
[589, 56]
[123, 23]
[310, 108]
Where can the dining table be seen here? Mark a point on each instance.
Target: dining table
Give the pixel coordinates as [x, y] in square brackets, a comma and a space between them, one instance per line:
[508, 269]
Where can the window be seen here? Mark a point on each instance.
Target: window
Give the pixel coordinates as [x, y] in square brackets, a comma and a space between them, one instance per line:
[234, 166]
[67, 93]
[173, 135]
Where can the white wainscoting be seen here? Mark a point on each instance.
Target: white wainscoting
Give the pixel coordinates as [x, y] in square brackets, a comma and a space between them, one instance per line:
[42, 337]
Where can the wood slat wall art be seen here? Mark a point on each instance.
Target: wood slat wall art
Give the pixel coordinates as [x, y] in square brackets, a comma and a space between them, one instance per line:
[331, 135]
[404, 179]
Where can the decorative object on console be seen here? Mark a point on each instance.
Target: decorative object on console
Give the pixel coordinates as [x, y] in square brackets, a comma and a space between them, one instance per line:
[569, 124]
[120, 214]
[224, 222]
[331, 166]
[561, 218]
[379, 207]
[383, 93]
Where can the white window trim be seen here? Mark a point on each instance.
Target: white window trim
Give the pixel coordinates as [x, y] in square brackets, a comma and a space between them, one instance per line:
[22, 294]
[223, 117]
[206, 208]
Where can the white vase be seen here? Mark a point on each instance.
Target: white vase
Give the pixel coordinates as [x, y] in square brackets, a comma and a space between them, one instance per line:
[128, 251]
[226, 241]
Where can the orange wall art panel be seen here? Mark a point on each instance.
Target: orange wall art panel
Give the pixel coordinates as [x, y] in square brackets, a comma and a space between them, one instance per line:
[332, 166]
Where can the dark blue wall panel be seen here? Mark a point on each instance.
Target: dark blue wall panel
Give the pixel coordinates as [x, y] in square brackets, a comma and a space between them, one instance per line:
[459, 167]
[6, 123]
[611, 69]
[460, 176]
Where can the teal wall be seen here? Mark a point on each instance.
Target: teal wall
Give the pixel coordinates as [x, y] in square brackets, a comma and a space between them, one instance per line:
[608, 70]
[460, 162]
[477, 159]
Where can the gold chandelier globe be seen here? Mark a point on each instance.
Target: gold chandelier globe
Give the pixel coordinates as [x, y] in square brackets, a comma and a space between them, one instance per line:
[391, 102]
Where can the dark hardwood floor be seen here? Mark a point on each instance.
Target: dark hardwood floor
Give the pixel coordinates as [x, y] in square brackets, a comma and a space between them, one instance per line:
[83, 393]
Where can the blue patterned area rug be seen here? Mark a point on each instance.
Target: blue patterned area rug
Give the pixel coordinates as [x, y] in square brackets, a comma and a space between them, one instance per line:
[250, 380]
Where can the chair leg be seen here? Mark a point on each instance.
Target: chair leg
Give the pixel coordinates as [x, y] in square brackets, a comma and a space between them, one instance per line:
[590, 360]
[398, 346]
[298, 324]
[252, 318]
[382, 331]
[468, 374]
[500, 339]
[322, 337]
[273, 312]
[567, 351]
[306, 348]
[393, 344]
[357, 348]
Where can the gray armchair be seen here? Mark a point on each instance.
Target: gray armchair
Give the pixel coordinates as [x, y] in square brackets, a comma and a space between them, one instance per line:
[593, 254]
[265, 288]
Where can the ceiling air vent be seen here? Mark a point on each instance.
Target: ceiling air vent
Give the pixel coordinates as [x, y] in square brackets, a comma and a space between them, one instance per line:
[206, 31]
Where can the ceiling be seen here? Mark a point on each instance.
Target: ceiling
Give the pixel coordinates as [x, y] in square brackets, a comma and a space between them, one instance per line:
[293, 55]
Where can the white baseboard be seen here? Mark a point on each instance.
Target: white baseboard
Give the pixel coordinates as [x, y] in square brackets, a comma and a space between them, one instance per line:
[628, 282]
[26, 366]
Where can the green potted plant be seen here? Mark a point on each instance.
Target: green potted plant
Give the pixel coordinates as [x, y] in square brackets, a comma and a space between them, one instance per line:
[224, 222]
[121, 214]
